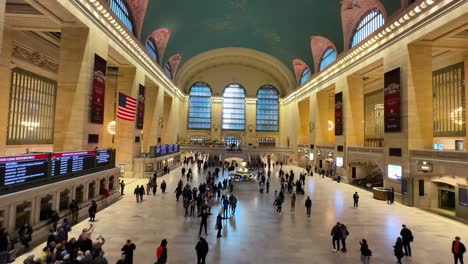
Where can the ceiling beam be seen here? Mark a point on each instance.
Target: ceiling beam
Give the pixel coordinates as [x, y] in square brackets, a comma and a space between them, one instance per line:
[30, 23]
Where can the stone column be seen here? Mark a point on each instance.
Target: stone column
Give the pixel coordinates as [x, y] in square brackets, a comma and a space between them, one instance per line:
[74, 87]
[5, 76]
[151, 125]
[2, 27]
[354, 111]
[322, 136]
[167, 113]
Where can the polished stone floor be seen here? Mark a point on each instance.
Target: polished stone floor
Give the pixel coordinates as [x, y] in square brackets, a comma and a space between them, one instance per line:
[257, 234]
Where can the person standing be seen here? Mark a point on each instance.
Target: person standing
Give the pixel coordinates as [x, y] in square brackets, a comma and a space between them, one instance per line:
[268, 186]
[344, 235]
[122, 187]
[219, 225]
[141, 192]
[128, 249]
[186, 203]
[163, 186]
[25, 235]
[407, 237]
[308, 205]
[161, 252]
[293, 202]
[154, 186]
[202, 250]
[136, 192]
[336, 236]
[366, 253]
[92, 211]
[204, 222]
[398, 249]
[122, 259]
[458, 249]
[356, 199]
[74, 208]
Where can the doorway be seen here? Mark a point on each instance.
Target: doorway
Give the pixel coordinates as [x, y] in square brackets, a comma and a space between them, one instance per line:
[447, 199]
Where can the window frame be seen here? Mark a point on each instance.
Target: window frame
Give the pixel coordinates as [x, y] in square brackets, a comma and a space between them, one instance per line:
[122, 6]
[326, 56]
[152, 45]
[365, 24]
[190, 101]
[223, 107]
[303, 74]
[168, 70]
[267, 87]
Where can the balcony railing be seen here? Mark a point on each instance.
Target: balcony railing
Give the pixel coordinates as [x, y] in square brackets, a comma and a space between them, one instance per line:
[366, 150]
[326, 147]
[440, 154]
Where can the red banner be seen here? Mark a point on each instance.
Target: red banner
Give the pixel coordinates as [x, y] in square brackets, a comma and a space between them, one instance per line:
[140, 107]
[339, 114]
[99, 90]
[392, 101]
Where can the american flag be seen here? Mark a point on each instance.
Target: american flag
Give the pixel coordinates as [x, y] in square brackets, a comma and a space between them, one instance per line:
[127, 107]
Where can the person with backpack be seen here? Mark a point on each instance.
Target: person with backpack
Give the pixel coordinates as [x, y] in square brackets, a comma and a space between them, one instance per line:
[366, 253]
[407, 237]
[202, 250]
[161, 252]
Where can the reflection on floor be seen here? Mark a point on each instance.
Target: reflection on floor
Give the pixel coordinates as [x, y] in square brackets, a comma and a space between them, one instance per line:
[257, 234]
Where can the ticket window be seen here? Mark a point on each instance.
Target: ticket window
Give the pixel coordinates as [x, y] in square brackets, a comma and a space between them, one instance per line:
[2, 219]
[64, 200]
[46, 208]
[91, 190]
[102, 186]
[111, 183]
[23, 215]
[79, 196]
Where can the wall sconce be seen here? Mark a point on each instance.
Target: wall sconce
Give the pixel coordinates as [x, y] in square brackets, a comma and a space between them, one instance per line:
[331, 126]
[216, 127]
[251, 127]
[311, 126]
[161, 120]
[111, 127]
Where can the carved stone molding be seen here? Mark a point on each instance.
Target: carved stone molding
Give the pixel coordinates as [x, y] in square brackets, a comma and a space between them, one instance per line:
[35, 58]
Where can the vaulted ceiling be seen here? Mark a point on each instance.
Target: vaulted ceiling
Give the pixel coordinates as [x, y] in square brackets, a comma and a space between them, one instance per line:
[279, 28]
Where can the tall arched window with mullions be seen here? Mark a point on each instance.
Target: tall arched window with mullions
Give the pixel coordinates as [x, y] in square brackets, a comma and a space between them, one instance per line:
[120, 9]
[199, 115]
[168, 70]
[328, 57]
[267, 109]
[152, 50]
[305, 76]
[368, 25]
[234, 107]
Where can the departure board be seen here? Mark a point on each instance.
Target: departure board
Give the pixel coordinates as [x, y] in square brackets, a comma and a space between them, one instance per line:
[163, 150]
[20, 169]
[72, 162]
[103, 157]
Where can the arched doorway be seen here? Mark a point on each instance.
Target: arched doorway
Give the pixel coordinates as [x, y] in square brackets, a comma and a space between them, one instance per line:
[365, 174]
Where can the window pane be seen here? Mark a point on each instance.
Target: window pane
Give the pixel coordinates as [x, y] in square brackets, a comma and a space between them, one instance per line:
[151, 48]
[234, 107]
[328, 57]
[305, 76]
[167, 70]
[199, 116]
[267, 109]
[374, 119]
[120, 10]
[368, 25]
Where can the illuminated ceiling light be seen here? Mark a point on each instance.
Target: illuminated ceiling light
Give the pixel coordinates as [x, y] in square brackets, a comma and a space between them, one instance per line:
[406, 17]
[92, 1]
[106, 15]
[417, 10]
[396, 24]
[373, 40]
[401, 20]
[99, 8]
[411, 13]
[104, 11]
[392, 27]
[430, 2]
[331, 126]
[111, 127]
[97, 3]
[384, 32]
[388, 30]
[380, 35]
[423, 5]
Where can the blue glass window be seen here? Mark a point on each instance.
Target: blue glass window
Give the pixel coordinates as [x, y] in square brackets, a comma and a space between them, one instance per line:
[328, 57]
[267, 109]
[199, 115]
[119, 8]
[234, 107]
[151, 48]
[168, 70]
[368, 25]
[305, 76]
[232, 141]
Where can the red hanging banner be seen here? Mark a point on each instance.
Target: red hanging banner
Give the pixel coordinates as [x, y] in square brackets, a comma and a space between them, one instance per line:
[392, 101]
[99, 90]
[339, 114]
[141, 107]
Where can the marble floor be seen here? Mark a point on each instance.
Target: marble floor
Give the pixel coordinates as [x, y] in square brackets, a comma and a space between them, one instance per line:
[257, 234]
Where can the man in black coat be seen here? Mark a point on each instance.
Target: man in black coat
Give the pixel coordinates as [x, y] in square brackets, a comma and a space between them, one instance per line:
[407, 237]
[128, 249]
[204, 221]
[308, 205]
[356, 199]
[202, 250]
[336, 234]
[458, 249]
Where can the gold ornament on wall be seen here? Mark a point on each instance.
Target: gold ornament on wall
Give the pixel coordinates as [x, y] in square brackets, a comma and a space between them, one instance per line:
[161, 120]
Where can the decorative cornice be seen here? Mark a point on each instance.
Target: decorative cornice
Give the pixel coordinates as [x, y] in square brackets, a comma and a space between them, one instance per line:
[35, 58]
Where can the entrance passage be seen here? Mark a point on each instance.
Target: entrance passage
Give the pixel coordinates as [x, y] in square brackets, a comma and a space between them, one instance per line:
[447, 200]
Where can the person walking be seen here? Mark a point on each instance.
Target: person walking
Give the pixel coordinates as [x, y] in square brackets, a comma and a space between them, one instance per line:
[122, 187]
[155, 187]
[356, 199]
[136, 192]
[398, 249]
[92, 211]
[219, 225]
[141, 192]
[458, 249]
[161, 252]
[186, 205]
[344, 235]
[293, 202]
[308, 205]
[366, 253]
[74, 208]
[128, 249]
[407, 237]
[336, 236]
[268, 186]
[202, 250]
[163, 186]
[204, 222]
[122, 259]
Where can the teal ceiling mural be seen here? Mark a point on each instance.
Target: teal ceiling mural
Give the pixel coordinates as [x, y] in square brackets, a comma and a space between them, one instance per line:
[279, 28]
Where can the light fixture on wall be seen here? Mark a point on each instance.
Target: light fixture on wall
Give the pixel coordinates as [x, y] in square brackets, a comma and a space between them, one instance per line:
[331, 126]
[251, 127]
[216, 127]
[111, 127]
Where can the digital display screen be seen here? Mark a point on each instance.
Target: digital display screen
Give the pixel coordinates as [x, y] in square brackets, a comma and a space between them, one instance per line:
[463, 196]
[164, 150]
[339, 162]
[72, 162]
[394, 172]
[103, 157]
[21, 169]
[311, 156]
[438, 146]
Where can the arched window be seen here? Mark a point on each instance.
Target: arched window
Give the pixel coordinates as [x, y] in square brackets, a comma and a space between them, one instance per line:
[328, 57]
[305, 76]
[199, 115]
[234, 107]
[119, 8]
[151, 48]
[168, 70]
[368, 25]
[232, 141]
[267, 109]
